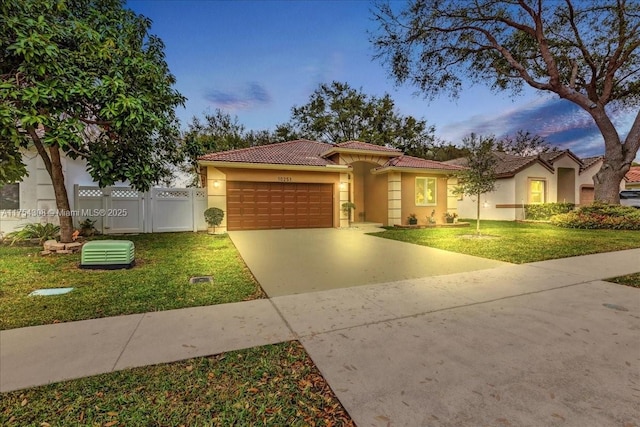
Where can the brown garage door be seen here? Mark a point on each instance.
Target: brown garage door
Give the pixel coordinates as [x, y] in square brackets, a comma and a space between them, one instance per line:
[586, 195]
[269, 205]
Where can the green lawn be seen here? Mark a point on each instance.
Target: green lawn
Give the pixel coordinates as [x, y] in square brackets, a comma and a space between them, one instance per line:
[159, 281]
[518, 242]
[632, 280]
[275, 385]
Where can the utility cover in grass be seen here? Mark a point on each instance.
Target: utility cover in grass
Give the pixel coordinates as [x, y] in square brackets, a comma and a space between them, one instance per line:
[201, 279]
[52, 291]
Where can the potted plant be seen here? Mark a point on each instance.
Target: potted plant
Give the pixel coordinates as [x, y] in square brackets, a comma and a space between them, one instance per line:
[450, 217]
[347, 207]
[412, 219]
[214, 217]
[432, 218]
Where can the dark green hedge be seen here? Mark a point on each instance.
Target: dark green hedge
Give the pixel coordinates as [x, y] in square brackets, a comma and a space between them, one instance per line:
[546, 210]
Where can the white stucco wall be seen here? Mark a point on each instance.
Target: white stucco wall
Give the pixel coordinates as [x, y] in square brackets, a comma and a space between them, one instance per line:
[37, 197]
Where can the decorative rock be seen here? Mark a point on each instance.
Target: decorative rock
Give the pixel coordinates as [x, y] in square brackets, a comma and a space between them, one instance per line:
[45, 253]
[64, 251]
[48, 243]
[56, 247]
[73, 246]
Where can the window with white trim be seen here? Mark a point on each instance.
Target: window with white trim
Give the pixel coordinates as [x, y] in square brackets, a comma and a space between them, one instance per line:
[426, 190]
[537, 191]
[10, 196]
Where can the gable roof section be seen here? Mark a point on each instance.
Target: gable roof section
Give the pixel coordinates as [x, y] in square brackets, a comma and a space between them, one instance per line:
[301, 152]
[587, 162]
[507, 165]
[362, 147]
[410, 162]
[633, 175]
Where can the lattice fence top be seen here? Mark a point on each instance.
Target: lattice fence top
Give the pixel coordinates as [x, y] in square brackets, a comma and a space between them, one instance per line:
[90, 192]
[172, 194]
[201, 194]
[124, 193]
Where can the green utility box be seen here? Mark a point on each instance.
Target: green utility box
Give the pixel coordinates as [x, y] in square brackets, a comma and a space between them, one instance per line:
[108, 254]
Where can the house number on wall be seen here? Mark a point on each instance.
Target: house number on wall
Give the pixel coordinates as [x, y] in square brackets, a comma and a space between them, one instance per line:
[285, 179]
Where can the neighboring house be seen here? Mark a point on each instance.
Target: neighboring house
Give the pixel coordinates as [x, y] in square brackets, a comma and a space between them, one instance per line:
[557, 176]
[115, 210]
[632, 178]
[33, 199]
[303, 184]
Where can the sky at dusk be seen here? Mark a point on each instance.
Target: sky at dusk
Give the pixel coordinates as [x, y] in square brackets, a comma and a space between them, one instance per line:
[257, 59]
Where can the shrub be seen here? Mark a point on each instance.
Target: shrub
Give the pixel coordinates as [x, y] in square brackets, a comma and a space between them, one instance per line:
[214, 217]
[42, 232]
[600, 216]
[545, 211]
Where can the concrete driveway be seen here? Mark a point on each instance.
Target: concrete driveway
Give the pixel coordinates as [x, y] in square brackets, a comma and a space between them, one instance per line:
[289, 262]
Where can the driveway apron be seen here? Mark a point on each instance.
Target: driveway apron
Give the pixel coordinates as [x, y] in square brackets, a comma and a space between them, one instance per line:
[289, 262]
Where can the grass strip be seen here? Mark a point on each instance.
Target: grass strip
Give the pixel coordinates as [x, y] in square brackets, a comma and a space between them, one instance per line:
[268, 385]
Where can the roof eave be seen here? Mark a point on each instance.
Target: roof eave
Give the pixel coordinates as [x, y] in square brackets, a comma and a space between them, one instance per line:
[279, 166]
[360, 151]
[385, 169]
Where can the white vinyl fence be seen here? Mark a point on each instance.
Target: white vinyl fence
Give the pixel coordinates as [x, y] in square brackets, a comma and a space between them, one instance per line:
[121, 210]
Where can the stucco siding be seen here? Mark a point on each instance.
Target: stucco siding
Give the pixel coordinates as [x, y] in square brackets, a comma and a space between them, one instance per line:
[423, 212]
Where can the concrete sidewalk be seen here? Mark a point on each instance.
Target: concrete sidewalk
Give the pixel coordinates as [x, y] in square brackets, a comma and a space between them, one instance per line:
[546, 343]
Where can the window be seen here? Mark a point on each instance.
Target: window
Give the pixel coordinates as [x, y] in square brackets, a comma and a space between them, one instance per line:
[537, 191]
[10, 196]
[425, 191]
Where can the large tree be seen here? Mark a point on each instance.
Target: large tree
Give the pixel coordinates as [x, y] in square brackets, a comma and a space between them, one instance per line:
[219, 131]
[337, 112]
[524, 143]
[85, 78]
[586, 52]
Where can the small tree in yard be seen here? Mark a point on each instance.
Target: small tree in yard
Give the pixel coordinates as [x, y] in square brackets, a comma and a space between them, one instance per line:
[214, 217]
[84, 78]
[480, 177]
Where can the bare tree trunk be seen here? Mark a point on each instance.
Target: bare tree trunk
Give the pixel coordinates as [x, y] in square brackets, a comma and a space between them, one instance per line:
[53, 164]
[478, 215]
[617, 158]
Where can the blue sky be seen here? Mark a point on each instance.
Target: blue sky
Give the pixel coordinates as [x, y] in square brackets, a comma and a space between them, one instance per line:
[257, 59]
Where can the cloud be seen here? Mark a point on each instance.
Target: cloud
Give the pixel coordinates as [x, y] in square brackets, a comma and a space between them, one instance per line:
[561, 123]
[251, 95]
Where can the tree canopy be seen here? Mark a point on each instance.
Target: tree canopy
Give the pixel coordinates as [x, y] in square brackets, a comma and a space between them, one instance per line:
[585, 52]
[337, 112]
[85, 78]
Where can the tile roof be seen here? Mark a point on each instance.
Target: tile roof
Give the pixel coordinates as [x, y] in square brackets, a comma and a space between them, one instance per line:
[509, 164]
[299, 152]
[418, 163]
[587, 162]
[359, 145]
[303, 152]
[633, 175]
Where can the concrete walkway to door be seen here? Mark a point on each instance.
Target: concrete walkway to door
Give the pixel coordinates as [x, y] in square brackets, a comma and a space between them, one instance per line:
[287, 262]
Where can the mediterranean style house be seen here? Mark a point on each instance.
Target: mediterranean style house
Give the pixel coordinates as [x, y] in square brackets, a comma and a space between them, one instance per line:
[556, 176]
[304, 184]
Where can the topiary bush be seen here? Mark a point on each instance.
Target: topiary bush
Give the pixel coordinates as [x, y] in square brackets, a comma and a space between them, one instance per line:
[545, 211]
[214, 217]
[600, 216]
